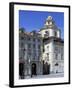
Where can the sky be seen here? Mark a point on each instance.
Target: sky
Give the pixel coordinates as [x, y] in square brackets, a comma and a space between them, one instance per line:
[34, 20]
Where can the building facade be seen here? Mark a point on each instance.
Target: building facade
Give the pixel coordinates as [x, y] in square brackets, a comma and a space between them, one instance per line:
[53, 53]
[41, 52]
[30, 53]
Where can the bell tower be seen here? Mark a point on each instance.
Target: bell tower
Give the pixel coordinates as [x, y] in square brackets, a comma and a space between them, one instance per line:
[52, 44]
[49, 21]
[50, 29]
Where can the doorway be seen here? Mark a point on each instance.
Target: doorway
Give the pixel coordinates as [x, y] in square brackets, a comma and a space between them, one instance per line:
[21, 69]
[33, 69]
[46, 68]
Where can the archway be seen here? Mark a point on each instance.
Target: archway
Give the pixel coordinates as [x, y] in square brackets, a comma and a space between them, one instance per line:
[33, 69]
[46, 68]
[21, 69]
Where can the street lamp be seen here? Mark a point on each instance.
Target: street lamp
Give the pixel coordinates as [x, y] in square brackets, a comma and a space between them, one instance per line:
[29, 61]
[29, 67]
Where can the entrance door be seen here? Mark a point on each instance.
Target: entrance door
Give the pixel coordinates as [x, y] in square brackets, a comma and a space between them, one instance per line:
[46, 68]
[33, 69]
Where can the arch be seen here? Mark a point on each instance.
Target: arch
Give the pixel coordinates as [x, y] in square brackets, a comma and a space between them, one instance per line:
[33, 69]
[21, 69]
[46, 68]
[46, 35]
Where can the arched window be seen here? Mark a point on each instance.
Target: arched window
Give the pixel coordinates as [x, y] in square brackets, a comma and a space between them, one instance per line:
[46, 34]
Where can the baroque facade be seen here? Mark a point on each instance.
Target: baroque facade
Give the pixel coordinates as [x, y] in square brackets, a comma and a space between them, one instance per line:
[41, 52]
[53, 46]
[30, 53]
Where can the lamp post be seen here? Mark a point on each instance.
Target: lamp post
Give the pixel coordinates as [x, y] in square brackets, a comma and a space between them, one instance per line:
[29, 67]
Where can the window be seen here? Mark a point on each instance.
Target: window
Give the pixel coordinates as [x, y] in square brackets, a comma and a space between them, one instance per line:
[29, 53]
[33, 57]
[61, 56]
[38, 46]
[59, 50]
[29, 38]
[29, 46]
[39, 53]
[22, 38]
[38, 57]
[23, 51]
[34, 39]
[47, 56]
[55, 33]
[47, 33]
[38, 40]
[33, 45]
[22, 44]
[62, 50]
[56, 56]
[48, 48]
[56, 49]
[20, 58]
